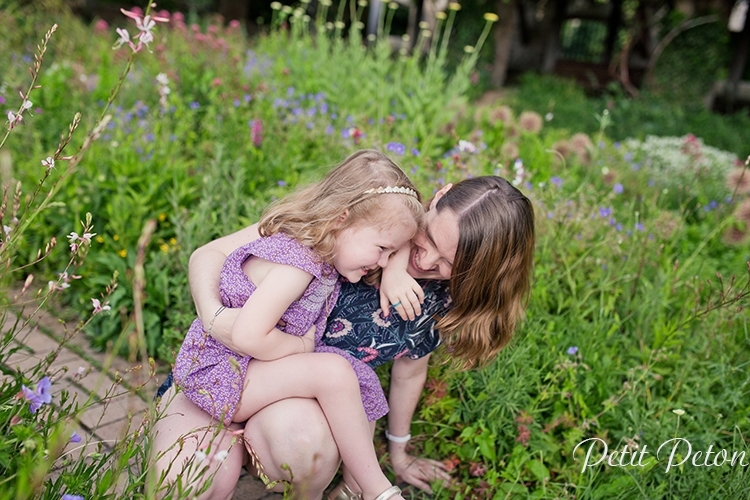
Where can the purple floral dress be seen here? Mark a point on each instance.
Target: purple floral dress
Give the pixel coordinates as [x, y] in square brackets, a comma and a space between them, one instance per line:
[211, 375]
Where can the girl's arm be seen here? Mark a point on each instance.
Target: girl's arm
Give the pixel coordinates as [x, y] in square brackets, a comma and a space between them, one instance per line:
[407, 381]
[254, 331]
[204, 270]
[398, 287]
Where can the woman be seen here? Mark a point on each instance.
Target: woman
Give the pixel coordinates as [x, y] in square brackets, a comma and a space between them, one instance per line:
[478, 238]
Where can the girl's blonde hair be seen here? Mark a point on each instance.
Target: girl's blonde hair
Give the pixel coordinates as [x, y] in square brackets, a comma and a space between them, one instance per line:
[491, 274]
[357, 188]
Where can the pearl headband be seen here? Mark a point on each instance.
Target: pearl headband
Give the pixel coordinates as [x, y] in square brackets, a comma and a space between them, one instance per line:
[392, 189]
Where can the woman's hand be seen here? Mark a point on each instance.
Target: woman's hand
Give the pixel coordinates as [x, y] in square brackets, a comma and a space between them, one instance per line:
[419, 472]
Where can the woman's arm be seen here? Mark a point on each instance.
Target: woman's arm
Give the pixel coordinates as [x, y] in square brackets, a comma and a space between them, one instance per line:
[204, 270]
[407, 381]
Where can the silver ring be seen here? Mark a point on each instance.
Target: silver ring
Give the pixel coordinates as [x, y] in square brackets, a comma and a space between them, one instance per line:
[396, 304]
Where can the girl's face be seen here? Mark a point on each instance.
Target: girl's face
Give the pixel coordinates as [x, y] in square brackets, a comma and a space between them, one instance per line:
[434, 248]
[364, 247]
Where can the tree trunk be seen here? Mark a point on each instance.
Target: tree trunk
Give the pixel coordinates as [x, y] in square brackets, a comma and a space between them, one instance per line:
[234, 9]
[504, 30]
[552, 45]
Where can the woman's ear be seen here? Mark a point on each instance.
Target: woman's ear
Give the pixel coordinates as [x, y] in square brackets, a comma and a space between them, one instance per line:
[441, 192]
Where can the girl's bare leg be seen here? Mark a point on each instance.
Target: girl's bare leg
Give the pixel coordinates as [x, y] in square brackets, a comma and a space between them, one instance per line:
[330, 379]
[184, 429]
[295, 432]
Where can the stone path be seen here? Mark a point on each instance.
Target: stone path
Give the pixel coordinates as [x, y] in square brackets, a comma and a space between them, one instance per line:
[85, 372]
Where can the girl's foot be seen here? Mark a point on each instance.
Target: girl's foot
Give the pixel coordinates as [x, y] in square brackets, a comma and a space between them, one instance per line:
[343, 492]
[392, 493]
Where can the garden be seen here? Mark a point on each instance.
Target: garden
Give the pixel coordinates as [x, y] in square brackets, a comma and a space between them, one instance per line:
[628, 377]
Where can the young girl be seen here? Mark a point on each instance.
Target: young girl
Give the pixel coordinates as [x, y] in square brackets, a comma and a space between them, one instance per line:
[286, 283]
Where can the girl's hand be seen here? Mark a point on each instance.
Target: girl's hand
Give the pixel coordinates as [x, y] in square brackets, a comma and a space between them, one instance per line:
[403, 293]
[419, 472]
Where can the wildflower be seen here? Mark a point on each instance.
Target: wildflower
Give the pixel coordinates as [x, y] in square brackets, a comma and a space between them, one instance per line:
[548, 117]
[477, 469]
[98, 307]
[195, 105]
[39, 396]
[503, 114]
[221, 455]
[144, 25]
[530, 121]
[510, 150]
[13, 119]
[256, 132]
[200, 456]
[605, 212]
[572, 350]
[739, 179]
[618, 189]
[454, 6]
[71, 497]
[124, 40]
[639, 226]
[49, 163]
[467, 147]
[491, 17]
[75, 437]
[415, 152]
[123, 253]
[678, 412]
[396, 147]
[556, 181]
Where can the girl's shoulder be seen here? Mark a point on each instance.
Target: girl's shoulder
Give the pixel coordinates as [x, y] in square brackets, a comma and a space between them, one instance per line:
[281, 248]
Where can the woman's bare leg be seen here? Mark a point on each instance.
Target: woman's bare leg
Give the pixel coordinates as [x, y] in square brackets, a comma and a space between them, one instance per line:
[182, 430]
[331, 380]
[295, 433]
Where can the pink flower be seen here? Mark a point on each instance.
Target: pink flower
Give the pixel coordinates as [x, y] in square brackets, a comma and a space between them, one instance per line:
[144, 25]
[98, 307]
[100, 26]
[256, 132]
[124, 40]
[49, 163]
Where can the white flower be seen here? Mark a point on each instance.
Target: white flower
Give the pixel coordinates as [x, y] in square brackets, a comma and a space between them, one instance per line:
[26, 104]
[162, 79]
[200, 456]
[221, 455]
[678, 412]
[466, 147]
[124, 38]
[49, 163]
[73, 237]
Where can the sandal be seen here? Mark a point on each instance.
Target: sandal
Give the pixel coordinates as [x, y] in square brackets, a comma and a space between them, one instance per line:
[342, 491]
[390, 492]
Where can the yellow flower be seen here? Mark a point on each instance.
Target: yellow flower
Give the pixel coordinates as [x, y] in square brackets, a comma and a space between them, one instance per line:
[172, 241]
[454, 6]
[162, 217]
[164, 247]
[491, 17]
[99, 239]
[441, 15]
[116, 237]
[123, 253]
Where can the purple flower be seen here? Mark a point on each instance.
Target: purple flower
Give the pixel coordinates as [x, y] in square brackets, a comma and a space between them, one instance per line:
[75, 437]
[556, 181]
[247, 98]
[2, 100]
[281, 183]
[256, 132]
[572, 350]
[396, 147]
[41, 395]
[605, 212]
[618, 227]
[236, 103]
[618, 189]
[639, 226]
[415, 152]
[72, 497]
[330, 130]
[195, 105]
[617, 145]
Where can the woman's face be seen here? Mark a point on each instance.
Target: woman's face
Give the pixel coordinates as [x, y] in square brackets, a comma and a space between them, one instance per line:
[434, 248]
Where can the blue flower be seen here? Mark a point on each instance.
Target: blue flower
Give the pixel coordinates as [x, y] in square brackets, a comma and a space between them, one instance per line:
[75, 437]
[396, 147]
[639, 226]
[72, 497]
[281, 183]
[41, 395]
[195, 105]
[415, 152]
[556, 181]
[618, 189]
[605, 212]
[572, 350]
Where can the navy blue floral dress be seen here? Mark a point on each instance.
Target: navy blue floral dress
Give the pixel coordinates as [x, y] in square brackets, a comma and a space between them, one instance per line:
[356, 324]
